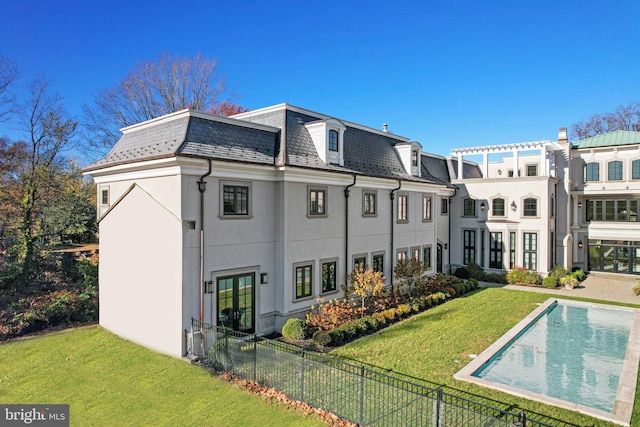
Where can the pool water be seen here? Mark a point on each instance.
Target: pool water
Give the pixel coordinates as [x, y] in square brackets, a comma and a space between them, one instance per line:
[572, 352]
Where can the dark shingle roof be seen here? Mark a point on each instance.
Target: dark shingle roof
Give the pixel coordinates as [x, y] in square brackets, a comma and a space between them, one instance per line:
[435, 168]
[469, 170]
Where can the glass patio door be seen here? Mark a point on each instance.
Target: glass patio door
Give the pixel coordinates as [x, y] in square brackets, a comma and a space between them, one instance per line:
[236, 297]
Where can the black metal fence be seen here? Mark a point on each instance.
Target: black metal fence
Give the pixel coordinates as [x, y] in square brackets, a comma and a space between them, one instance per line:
[356, 393]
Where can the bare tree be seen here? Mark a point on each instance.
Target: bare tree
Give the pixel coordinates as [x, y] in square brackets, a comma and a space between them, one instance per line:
[49, 132]
[625, 117]
[152, 89]
[8, 76]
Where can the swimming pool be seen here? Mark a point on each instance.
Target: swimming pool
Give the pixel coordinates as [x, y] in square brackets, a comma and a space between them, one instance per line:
[580, 356]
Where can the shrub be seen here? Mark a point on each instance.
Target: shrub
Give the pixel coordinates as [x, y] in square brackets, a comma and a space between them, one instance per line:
[372, 323]
[450, 291]
[361, 326]
[523, 277]
[474, 282]
[390, 314]
[558, 272]
[330, 315]
[496, 278]
[337, 336]
[549, 282]
[636, 288]
[578, 274]
[351, 331]
[475, 271]
[322, 338]
[295, 329]
[380, 318]
[462, 273]
[404, 310]
[569, 281]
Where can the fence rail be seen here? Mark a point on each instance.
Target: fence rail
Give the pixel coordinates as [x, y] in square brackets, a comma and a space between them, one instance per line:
[357, 393]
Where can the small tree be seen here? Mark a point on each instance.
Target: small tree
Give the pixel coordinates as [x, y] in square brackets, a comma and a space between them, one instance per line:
[365, 283]
[410, 273]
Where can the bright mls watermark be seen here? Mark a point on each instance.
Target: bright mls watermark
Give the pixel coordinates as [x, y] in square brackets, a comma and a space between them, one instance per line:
[34, 415]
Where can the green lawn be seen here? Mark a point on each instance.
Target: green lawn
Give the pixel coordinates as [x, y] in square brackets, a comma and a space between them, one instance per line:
[110, 381]
[437, 343]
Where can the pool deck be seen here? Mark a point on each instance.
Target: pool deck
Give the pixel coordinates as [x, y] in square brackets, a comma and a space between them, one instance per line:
[625, 396]
[599, 286]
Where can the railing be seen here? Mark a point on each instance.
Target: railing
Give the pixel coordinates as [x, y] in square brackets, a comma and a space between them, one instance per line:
[356, 393]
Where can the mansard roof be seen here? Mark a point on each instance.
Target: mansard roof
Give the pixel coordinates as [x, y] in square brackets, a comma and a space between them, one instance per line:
[615, 138]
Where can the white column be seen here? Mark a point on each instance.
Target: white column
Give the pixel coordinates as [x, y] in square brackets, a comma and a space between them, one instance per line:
[515, 163]
[460, 161]
[543, 162]
[485, 165]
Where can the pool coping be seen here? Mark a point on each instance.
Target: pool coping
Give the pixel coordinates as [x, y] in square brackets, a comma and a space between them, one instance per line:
[625, 395]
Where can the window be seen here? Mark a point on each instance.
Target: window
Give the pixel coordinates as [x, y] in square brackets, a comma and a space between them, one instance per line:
[497, 207]
[552, 250]
[510, 173]
[512, 249]
[359, 262]
[235, 200]
[317, 200]
[369, 203]
[552, 206]
[469, 208]
[530, 207]
[303, 281]
[402, 255]
[469, 247]
[532, 170]
[530, 250]
[592, 172]
[414, 158]
[378, 263]
[403, 201]
[426, 257]
[495, 250]
[481, 248]
[415, 253]
[104, 196]
[615, 171]
[444, 207]
[328, 276]
[635, 169]
[333, 140]
[426, 208]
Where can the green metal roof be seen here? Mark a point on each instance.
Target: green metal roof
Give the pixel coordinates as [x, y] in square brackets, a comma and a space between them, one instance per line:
[618, 137]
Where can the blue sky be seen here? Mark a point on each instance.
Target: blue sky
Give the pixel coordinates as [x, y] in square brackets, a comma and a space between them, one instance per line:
[448, 74]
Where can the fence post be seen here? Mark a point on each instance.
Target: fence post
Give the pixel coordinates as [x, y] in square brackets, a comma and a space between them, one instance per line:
[439, 408]
[361, 396]
[255, 358]
[523, 418]
[302, 375]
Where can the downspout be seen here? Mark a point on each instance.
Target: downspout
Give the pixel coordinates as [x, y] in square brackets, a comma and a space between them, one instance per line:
[346, 223]
[455, 191]
[202, 187]
[392, 195]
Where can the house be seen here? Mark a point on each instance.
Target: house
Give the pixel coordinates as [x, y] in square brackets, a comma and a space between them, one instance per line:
[249, 220]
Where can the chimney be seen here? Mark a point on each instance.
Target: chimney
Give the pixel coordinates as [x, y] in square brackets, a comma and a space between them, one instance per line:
[384, 127]
[562, 135]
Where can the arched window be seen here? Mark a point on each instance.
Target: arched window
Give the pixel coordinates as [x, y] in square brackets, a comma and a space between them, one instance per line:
[333, 140]
[530, 207]
[497, 207]
[592, 172]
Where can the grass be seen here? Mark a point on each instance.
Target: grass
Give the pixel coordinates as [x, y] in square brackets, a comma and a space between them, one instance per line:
[437, 343]
[110, 381]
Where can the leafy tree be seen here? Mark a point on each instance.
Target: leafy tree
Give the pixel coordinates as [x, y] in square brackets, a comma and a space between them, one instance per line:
[409, 272]
[8, 77]
[625, 117]
[153, 88]
[365, 283]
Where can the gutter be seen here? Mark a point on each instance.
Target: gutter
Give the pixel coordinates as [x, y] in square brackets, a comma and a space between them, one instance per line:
[346, 223]
[392, 195]
[202, 187]
[455, 191]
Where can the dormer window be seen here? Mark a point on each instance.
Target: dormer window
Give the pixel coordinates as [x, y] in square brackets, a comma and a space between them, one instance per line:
[414, 158]
[328, 136]
[409, 155]
[333, 140]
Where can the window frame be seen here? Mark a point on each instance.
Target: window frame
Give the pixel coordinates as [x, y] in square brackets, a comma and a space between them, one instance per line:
[323, 262]
[589, 170]
[355, 261]
[375, 263]
[405, 255]
[444, 206]
[427, 208]
[104, 190]
[426, 257]
[610, 171]
[635, 167]
[532, 165]
[330, 140]
[301, 266]
[496, 250]
[469, 249]
[504, 206]
[414, 158]
[366, 195]
[473, 205]
[526, 210]
[317, 190]
[403, 207]
[530, 250]
[415, 252]
[224, 184]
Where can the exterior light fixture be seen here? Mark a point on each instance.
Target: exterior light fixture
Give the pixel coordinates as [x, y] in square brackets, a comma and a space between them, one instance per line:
[514, 206]
[482, 206]
[202, 186]
[580, 244]
[579, 205]
[264, 278]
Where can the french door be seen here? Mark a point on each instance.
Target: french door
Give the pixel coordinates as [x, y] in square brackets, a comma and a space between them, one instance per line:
[236, 302]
